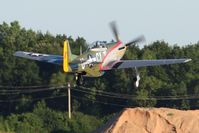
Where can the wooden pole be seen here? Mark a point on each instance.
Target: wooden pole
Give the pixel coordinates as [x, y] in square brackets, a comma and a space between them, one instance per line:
[69, 102]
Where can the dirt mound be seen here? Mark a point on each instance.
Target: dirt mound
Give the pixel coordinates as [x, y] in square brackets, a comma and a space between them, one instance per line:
[153, 120]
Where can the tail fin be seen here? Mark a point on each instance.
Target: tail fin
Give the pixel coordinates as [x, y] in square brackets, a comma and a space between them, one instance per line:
[66, 56]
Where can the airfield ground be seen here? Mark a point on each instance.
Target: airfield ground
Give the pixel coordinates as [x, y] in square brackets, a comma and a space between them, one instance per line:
[153, 120]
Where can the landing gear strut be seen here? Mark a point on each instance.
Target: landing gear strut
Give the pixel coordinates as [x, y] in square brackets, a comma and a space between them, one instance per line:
[79, 79]
[136, 78]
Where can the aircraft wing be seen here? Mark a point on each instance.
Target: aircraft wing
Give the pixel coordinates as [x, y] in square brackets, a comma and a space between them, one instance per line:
[143, 63]
[54, 59]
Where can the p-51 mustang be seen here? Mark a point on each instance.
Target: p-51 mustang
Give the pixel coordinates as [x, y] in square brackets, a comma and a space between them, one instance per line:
[98, 59]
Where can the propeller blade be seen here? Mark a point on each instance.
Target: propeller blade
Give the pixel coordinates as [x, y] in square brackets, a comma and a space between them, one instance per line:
[136, 40]
[114, 30]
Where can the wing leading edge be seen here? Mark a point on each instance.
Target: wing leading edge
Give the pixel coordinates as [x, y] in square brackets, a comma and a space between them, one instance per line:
[54, 59]
[143, 63]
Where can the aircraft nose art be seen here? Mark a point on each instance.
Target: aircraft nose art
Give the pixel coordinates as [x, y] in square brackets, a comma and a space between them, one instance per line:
[110, 56]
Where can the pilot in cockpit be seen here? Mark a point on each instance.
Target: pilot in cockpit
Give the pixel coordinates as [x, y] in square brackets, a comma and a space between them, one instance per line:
[98, 45]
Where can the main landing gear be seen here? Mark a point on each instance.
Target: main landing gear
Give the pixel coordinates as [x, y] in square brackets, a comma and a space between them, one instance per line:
[79, 79]
[136, 78]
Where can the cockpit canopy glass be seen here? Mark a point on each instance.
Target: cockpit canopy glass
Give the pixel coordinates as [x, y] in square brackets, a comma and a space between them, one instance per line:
[98, 44]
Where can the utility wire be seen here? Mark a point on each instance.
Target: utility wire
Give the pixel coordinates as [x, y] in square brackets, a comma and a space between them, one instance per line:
[34, 99]
[64, 95]
[15, 92]
[100, 93]
[105, 93]
[112, 93]
[53, 97]
[21, 87]
[80, 98]
[133, 97]
[106, 103]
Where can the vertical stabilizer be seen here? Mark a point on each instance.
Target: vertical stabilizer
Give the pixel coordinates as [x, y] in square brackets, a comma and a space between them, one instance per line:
[66, 54]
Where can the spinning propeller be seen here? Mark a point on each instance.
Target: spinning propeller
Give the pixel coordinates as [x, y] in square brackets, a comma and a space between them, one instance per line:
[114, 29]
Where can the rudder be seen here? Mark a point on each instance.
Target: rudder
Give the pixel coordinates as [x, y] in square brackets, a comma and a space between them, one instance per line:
[66, 50]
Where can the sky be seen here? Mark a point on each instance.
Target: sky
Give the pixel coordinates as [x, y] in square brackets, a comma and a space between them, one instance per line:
[174, 21]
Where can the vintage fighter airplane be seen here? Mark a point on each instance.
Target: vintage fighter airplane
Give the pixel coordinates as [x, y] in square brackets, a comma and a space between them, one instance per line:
[98, 59]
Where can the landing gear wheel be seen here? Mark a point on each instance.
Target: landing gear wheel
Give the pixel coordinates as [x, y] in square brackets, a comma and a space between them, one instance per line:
[79, 80]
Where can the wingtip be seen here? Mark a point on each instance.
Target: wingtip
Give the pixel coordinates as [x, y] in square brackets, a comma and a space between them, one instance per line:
[15, 53]
[187, 60]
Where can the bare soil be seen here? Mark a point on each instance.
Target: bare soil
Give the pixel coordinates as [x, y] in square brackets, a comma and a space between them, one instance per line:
[153, 120]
